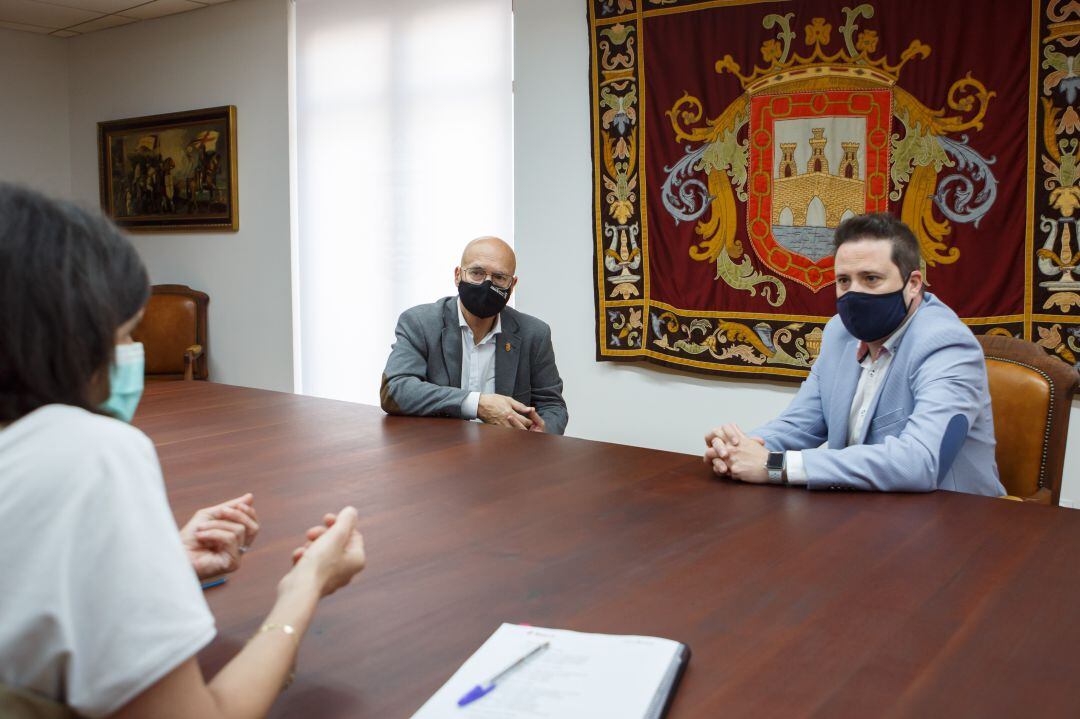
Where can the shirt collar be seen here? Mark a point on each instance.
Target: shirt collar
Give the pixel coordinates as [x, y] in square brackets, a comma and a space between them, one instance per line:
[490, 336]
[889, 346]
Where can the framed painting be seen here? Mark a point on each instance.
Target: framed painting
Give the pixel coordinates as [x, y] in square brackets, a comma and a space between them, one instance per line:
[170, 173]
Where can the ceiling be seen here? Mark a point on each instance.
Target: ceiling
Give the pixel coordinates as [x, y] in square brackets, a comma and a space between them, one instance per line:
[70, 18]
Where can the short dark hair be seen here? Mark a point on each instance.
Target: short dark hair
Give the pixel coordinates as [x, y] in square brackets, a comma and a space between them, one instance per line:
[68, 280]
[883, 226]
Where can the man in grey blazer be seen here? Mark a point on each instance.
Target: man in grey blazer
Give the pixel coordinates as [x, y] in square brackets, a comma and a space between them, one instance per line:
[471, 357]
[898, 395]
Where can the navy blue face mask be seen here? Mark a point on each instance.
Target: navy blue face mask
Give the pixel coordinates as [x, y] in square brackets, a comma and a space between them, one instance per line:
[871, 317]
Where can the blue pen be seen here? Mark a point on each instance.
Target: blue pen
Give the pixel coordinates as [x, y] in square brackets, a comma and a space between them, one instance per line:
[486, 688]
[213, 582]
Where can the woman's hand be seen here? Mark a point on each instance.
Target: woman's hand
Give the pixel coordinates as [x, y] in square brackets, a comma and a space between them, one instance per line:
[247, 685]
[332, 555]
[215, 537]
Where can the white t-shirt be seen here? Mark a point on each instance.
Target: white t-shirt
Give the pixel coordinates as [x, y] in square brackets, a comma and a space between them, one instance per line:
[98, 599]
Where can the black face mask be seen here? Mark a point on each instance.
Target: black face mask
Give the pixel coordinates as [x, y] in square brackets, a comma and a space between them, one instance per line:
[871, 317]
[483, 300]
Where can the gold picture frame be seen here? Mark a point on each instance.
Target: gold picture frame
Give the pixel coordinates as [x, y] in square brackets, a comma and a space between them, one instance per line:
[171, 173]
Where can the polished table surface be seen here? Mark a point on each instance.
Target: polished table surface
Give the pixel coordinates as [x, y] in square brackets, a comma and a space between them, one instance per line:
[795, 603]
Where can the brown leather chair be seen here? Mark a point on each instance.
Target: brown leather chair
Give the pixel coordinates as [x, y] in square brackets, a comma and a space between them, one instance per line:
[1031, 392]
[173, 333]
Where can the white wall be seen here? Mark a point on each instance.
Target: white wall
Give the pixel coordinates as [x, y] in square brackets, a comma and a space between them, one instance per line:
[230, 54]
[630, 404]
[34, 143]
[1070, 483]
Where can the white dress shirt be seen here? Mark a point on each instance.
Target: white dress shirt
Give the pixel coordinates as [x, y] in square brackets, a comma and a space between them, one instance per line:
[477, 364]
[874, 372]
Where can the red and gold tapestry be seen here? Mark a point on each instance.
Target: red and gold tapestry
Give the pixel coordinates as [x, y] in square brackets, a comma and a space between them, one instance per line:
[731, 137]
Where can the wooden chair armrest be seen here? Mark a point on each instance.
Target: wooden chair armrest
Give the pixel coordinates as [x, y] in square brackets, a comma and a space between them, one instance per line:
[191, 354]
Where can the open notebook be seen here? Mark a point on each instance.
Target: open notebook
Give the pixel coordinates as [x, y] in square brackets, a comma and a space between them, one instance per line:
[577, 676]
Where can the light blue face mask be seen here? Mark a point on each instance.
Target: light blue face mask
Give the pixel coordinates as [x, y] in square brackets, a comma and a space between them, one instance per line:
[125, 381]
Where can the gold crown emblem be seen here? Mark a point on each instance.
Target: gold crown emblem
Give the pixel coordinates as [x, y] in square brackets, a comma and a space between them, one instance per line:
[853, 62]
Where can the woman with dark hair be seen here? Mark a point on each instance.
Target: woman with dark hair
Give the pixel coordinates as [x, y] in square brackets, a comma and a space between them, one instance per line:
[102, 614]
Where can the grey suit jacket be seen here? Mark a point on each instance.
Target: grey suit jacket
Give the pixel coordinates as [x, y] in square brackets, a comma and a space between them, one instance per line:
[423, 373]
[930, 426]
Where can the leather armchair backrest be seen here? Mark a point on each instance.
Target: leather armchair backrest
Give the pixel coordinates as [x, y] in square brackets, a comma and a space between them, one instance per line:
[168, 328]
[1031, 393]
[1021, 397]
[174, 321]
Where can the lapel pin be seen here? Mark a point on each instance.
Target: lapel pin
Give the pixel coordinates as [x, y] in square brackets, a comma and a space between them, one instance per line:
[507, 346]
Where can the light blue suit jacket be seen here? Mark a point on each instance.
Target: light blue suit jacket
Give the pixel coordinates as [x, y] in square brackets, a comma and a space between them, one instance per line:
[930, 425]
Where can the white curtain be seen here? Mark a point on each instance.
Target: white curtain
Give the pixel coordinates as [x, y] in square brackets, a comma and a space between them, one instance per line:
[404, 153]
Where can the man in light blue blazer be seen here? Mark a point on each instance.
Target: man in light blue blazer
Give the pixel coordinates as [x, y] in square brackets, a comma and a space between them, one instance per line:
[897, 400]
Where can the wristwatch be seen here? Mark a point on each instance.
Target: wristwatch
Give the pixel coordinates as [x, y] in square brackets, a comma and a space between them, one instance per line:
[776, 466]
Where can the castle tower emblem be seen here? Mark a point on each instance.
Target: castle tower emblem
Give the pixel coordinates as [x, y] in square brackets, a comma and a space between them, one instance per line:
[809, 198]
[818, 162]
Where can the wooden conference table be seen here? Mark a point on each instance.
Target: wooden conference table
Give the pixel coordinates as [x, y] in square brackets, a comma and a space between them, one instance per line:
[794, 603]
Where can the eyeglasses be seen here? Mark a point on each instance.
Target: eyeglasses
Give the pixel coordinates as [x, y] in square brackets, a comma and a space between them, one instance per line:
[476, 275]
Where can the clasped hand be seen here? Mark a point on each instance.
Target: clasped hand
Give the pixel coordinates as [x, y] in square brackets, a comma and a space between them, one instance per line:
[506, 411]
[734, 454]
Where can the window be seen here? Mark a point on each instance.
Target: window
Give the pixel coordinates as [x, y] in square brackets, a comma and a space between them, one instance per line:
[404, 154]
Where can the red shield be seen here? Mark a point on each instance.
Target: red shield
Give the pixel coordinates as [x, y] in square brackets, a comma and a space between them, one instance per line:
[816, 158]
